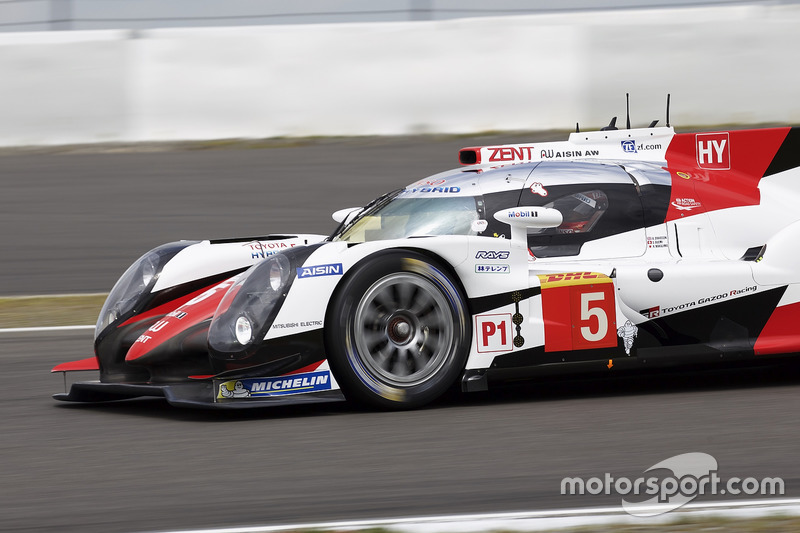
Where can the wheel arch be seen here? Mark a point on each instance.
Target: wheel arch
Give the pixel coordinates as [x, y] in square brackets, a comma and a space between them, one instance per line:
[451, 274]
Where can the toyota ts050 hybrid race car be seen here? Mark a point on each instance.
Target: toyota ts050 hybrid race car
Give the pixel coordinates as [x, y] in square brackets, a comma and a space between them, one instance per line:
[615, 249]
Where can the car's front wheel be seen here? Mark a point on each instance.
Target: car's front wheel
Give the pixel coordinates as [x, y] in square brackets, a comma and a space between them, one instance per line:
[398, 331]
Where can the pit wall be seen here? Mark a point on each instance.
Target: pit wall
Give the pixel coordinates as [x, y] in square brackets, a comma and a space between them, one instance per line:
[722, 65]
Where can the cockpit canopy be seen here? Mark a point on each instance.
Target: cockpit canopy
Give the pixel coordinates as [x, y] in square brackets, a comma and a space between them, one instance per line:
[397, 217]
[595, 200]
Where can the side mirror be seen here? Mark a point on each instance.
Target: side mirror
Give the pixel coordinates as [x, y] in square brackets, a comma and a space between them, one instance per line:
[530, 217]
[345, 214]
[521, 218]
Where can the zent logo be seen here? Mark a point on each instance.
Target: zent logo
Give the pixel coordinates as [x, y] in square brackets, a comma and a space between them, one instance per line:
[491, 254]
[713, 151]
[320, 270]
[511, 153]
[629, 147]
[494, 333]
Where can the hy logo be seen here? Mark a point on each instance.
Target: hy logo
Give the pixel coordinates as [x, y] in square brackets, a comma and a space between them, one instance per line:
[713, 151]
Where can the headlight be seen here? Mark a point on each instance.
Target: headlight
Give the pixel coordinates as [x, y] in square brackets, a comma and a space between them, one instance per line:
[278, 274]
[149, 268]
[135, 283]
[249, 306]
[244, 330]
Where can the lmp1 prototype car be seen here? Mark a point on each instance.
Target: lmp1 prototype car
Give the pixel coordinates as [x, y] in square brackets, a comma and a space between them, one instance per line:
[616, 249]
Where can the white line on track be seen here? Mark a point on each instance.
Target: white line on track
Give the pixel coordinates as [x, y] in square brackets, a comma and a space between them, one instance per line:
[534, 520]
[45, 329]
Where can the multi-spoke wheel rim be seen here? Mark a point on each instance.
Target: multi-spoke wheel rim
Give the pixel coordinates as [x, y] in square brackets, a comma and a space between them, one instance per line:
[403, 329]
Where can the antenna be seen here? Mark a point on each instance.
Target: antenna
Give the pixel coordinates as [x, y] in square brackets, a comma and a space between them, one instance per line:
[628, 110]
[611, 125]
[668, 95]
[577, 128]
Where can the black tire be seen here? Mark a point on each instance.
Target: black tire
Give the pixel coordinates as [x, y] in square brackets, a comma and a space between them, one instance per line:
[398, 331]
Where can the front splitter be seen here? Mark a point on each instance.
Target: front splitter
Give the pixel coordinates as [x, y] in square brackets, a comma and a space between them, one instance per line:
[199, 395]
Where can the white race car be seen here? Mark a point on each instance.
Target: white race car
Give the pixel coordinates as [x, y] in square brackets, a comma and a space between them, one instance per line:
[614, 250]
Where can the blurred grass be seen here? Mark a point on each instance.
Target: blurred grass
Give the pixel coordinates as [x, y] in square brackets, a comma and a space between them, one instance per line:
[39, 311]
[768, 524]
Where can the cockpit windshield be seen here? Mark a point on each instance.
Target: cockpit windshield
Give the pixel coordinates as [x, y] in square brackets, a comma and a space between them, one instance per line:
[398, 216]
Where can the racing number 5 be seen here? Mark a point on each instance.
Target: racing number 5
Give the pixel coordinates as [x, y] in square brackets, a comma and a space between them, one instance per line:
[593, 314]
[578, 311]
[587, 312]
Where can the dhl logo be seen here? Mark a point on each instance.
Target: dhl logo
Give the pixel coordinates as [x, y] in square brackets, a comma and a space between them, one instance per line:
[572, 278]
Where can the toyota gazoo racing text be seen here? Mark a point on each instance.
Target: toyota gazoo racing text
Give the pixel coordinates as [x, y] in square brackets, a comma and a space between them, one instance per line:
[613, 250]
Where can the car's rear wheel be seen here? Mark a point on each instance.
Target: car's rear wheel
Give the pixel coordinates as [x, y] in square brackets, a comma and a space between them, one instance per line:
[398, 331]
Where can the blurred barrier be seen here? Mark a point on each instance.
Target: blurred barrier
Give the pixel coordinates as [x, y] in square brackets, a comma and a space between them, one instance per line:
[44, 15]
[721, 64]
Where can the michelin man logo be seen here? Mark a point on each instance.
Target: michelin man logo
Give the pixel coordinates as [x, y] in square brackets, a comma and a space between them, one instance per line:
[238, 391]
[628, 333]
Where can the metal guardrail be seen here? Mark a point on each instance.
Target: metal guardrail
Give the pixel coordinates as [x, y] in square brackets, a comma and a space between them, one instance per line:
[48, 15]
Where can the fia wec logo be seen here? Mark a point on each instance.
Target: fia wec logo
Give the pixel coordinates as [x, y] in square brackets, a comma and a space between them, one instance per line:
[713, 151]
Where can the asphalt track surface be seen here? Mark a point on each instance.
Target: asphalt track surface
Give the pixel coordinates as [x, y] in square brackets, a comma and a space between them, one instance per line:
[72, 223]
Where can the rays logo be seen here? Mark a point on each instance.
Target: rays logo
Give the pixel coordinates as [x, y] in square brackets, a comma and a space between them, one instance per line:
[320, 270]
[492, 254]
[629, 147]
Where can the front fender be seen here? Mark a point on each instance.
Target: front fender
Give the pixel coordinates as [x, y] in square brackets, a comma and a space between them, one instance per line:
[195, 269]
